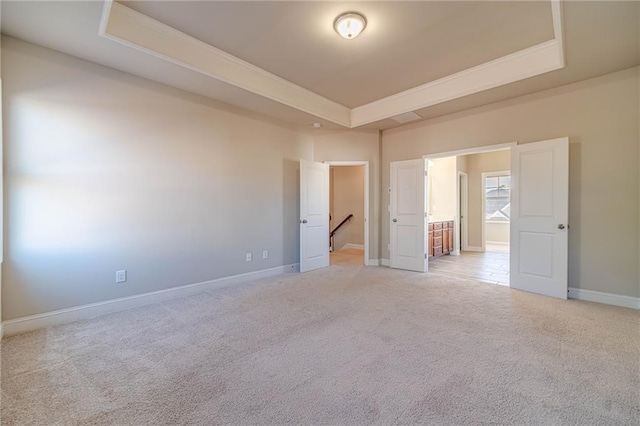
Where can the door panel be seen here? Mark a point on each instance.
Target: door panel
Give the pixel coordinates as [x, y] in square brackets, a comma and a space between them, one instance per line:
[408, 223]
[314, 215]
[539, 215]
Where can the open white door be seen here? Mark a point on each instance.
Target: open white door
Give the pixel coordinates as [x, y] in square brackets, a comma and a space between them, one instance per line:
[539, 216]
[408, 236]
[314, 215]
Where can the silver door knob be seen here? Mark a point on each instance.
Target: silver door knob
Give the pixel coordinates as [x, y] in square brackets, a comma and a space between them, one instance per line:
[303, 221]
[394, 220]
[561, 226]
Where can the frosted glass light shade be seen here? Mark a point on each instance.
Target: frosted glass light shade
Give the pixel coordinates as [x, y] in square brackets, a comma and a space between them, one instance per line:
[349, 24]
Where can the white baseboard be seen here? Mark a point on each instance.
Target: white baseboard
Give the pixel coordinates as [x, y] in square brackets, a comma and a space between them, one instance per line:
[373, 262]
[473, 248]
[92, 310]
[353, 246]
[606, 298]
[498, 243]
[384, 262]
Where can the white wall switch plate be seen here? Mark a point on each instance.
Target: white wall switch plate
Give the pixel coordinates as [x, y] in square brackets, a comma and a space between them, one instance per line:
[248, 257]
[265, 254]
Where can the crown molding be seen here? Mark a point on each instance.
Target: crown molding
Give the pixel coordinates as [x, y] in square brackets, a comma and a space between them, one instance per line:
[127, 26]
[526, 63]
[136, 30]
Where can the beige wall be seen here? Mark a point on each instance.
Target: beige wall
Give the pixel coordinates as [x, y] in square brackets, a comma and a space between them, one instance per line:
[497, 232]
[442, 189]
[477, 164]
[600, 117]
[106, 171]
[356, 145]
[347, 197]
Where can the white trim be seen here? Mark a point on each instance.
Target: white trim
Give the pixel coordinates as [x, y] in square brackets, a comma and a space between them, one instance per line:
[367, 222]
[474, 248]
[353, 246]
[462, 191]
[126, 26]
[558, 32]
[385, 262]
[48, 319]
[468, 151]
[485, 175]
[530, 62]
[606, 298]
[499, 243]
[136, 30]
[372, 262]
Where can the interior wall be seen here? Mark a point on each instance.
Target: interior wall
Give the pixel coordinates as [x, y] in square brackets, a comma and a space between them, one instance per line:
[107, 171]
[442, 189]
[477, 164]
[600, 117]
[347, 197]
[356, 145]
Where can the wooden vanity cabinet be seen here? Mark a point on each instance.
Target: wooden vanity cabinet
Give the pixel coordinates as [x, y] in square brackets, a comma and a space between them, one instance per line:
[440, 238]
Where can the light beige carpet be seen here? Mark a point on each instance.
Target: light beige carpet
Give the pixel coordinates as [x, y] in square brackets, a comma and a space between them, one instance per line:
[342, 346]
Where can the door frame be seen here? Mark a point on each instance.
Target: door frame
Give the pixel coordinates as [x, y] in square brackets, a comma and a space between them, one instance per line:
[483, 233]
[461, 240]
[367, 222]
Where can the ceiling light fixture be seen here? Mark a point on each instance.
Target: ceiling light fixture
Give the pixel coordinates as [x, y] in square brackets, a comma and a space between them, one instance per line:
[349, 24]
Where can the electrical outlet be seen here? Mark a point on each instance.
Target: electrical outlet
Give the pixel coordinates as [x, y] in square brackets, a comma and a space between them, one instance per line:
[265, 254]
[248, 257]
[121, 276]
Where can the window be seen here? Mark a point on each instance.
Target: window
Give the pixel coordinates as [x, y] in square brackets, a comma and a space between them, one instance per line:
[497, 191]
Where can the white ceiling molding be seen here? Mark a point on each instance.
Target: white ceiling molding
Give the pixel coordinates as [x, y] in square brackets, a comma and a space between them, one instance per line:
[526, 63]
[558, 32]
[127, 26]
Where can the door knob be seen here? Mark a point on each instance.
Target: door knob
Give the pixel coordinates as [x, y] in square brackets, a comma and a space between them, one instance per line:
[394, 220]
[303, 221]
[561, 226]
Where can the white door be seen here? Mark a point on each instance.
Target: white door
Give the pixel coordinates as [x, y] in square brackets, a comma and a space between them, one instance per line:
[314, 215]
[408, 236]
[539, 216]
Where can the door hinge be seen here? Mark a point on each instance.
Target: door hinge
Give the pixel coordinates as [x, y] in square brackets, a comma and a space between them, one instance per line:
[425, 255]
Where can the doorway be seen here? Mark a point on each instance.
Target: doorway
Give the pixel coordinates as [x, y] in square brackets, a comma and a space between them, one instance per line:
[539, 212]
[471, 190]
[496, 207]
[348, 212]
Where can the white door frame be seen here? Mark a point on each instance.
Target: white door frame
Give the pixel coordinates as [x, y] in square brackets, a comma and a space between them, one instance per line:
[366, 203]
[462, 209]
[485, 175]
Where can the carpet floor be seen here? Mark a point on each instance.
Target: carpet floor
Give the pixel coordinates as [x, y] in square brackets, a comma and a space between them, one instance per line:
[346, 345]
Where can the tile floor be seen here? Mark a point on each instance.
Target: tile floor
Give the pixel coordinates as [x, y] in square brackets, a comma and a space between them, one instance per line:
[487, 267]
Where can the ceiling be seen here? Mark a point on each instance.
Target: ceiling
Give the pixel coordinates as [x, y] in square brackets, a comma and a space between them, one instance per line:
[291, 65]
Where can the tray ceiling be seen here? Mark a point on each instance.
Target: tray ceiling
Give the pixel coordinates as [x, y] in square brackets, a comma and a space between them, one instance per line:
[405, 44]
[282, 59]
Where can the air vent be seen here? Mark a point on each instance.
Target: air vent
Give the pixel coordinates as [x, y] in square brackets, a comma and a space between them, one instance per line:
[406, 117]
